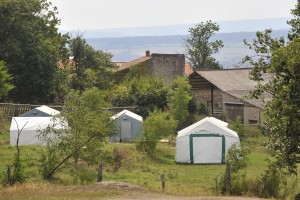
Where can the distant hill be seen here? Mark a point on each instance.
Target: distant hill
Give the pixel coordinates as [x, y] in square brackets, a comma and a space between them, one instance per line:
[182, 29]
[129, 48]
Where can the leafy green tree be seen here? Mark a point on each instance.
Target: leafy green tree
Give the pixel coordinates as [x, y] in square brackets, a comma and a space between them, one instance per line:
[92, 67]
[5, 79]
[157, 125]
[200, 48]
[282, 61]
[180, 96]
[31, 47]
[295, 23]
[144, 92]
[82, 136]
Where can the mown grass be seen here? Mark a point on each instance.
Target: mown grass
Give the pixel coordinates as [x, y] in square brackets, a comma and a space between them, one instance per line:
[136, 168]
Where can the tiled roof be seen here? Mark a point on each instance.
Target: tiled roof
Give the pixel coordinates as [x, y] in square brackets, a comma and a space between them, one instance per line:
[127, 65]
[188, 69]
[235, 82]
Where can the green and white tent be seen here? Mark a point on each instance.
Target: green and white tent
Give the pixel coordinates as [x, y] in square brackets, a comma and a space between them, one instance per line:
[205, 142]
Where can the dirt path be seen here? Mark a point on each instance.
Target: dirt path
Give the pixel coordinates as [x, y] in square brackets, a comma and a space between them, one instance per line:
[135, 192]
[101, 191]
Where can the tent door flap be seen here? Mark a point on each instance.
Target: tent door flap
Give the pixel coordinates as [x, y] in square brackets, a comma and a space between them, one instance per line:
[125, 129]
[207, 148]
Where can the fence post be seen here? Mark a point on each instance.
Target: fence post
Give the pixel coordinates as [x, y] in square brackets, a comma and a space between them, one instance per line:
[228, 179]
[217, 192]
[163, 183]
[100, 169]
[8, 175]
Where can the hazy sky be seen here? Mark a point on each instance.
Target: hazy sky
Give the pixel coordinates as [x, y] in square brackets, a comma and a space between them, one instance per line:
[102, 14]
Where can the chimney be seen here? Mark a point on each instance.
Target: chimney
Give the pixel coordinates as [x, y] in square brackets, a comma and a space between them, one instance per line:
[147, 53]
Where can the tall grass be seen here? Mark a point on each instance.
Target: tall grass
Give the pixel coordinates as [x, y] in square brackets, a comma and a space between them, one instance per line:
[127, 164]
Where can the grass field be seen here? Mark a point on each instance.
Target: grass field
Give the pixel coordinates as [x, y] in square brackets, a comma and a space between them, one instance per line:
[136, 169]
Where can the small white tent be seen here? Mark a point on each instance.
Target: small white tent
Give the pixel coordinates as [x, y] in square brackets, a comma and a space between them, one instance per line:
[29, 127]
[206, 141]
[129, 126]
[42, 111]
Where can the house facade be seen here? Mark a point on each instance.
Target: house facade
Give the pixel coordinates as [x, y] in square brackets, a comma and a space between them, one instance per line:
[167, 66]
[224, 93]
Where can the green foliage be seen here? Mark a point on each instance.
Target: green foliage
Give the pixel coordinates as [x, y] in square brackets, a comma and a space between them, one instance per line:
[179, 99]
[157, 125]
[238, 127]
[5, 79]
[19, 167]
[200, 48]
[93, 68]
[271, 183]
[238, 160]
[295, 23]
[144, 92]
[82, 136]
[61, 82]
[31, 47]
[84, 174]
[282, 115]
[282, 122]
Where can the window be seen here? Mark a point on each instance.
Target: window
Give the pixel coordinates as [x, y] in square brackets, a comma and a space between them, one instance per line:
[233, 110]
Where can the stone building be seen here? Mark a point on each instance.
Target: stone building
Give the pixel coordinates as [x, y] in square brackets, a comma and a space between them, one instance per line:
[224, 91]
[167, 66]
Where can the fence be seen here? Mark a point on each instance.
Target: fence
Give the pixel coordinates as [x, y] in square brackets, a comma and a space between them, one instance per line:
[14, 110]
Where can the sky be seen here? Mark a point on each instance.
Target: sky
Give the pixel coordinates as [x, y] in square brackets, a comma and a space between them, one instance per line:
[108, 14]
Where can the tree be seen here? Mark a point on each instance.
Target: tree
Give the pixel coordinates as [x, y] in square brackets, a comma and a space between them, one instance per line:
[157, 125]
[295, 23]
[200, 48]
[282, 61]
[180, 96]
[93, 68]
[5, 79]
[31, 47]
[82, 136]
[144, 92]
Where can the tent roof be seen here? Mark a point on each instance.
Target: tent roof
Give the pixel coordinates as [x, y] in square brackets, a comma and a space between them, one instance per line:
[48, 110]
[128, 113]
[31, 123]
[209, 124]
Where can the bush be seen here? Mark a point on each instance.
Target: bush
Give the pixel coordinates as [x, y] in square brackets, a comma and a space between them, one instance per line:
[119, 155]
[157, 125]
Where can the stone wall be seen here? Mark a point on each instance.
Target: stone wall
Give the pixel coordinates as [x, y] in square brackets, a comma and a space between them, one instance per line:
[204, 96]
[167, 66]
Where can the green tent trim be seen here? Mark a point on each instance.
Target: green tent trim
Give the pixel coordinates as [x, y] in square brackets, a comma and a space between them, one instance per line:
[206, 135]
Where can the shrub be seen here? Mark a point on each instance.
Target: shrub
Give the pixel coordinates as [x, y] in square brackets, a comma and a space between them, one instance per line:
[119, 155]
[157, 125]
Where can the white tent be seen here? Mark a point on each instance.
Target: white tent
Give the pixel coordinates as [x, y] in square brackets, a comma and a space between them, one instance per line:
[206, 141]
[29, 127]
[129, 126]
[42, 111]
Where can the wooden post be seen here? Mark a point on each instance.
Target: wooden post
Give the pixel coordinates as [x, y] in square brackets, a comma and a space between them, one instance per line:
[163, 183]
[8, 175]
[100, 172]
[217, 192]
[228, 179]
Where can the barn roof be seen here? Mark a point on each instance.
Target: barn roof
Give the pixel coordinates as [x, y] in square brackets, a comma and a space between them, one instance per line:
[235, 82]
